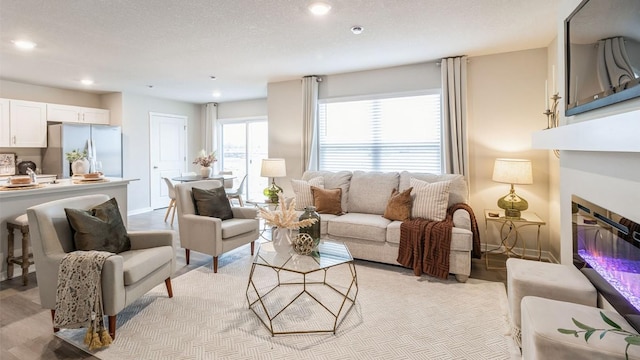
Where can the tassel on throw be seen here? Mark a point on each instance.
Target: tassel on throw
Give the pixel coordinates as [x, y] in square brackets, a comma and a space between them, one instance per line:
[105, 338]
[95, 341]
[88, 336]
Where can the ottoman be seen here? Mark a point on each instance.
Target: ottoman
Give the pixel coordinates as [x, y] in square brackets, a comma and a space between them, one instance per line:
[541, 319]
[546, 280]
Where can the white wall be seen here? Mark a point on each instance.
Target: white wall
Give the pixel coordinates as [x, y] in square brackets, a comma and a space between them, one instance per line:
[242, 109]
[20, 91]
[506, 100]
[135, 131]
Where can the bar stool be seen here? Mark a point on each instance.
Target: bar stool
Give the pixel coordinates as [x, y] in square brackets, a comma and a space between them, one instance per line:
[21, 223]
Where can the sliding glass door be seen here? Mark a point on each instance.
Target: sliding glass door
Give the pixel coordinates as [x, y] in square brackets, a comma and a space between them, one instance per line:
[244, 143]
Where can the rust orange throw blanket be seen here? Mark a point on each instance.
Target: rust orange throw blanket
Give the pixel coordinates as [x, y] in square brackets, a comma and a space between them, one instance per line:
[425, 245]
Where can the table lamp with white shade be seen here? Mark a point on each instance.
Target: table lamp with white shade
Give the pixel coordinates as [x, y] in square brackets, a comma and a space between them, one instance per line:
[512, 171]
[273, 168]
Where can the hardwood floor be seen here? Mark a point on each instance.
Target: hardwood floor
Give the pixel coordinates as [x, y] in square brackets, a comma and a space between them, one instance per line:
[26, 330]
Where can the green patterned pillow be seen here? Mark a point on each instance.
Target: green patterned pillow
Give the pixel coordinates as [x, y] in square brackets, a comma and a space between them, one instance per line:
[99, 228]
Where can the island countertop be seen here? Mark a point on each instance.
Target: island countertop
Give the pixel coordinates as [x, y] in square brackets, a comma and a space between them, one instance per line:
[61, 186]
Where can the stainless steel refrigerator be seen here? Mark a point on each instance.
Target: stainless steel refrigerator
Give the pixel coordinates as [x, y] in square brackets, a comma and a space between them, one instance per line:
[105, 142]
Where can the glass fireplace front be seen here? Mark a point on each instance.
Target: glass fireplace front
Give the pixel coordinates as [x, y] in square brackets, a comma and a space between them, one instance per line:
[606, 248]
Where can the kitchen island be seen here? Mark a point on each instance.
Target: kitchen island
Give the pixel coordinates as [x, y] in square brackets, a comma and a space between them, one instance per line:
[15, 202]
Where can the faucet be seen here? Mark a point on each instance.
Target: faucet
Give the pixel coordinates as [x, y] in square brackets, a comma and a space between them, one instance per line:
[32, 175]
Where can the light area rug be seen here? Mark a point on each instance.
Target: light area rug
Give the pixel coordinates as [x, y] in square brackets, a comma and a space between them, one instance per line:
[396, 316]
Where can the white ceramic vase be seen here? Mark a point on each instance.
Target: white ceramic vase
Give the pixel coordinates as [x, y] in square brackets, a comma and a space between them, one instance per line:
[206, 171]
[80, 166]
[281, 238]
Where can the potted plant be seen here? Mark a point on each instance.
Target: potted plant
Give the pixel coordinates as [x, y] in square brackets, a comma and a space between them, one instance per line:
[78, 161]
[205, 161]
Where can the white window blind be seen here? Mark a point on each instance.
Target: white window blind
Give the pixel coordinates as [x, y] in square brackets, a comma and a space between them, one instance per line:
[387, 134]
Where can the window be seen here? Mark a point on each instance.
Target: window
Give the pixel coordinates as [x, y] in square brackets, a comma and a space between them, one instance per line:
[381, 134]
[244, 144]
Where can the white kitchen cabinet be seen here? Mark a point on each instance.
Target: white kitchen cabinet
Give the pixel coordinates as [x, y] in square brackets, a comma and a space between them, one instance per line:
[77, 114]
[5, 124]
[27, 123]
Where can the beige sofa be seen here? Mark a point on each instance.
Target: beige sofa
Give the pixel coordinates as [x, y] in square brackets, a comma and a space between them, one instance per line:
[369, 235]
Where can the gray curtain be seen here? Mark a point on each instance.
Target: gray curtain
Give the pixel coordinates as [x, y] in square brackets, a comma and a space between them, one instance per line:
[310, 123]
[454, 115]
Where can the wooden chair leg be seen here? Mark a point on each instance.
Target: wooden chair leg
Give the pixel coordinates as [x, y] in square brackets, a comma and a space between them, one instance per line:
[253, 246]
[166, 215]
[215, 264]
[240, 201]
[53, 315]
[173, 212]
[112, 326]
[167, 283]
[25, 255]
[187, 252]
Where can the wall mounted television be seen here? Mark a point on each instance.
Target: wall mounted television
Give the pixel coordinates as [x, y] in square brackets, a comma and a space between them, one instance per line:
[602, 54]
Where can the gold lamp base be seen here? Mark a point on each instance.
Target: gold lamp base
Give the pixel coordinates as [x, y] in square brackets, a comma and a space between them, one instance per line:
[512, 205]
[272, 192]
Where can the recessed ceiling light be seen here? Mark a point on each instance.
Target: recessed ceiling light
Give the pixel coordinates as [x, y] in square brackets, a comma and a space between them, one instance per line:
[150, 86]
[24, 44]
[212, 77]
[319, 8]
[86, 82]
[216, 94]
[357, 29]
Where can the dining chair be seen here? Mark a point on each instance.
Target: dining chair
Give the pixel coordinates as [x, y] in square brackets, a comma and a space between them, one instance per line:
[228, 183]
[237, 193]
[172, 203]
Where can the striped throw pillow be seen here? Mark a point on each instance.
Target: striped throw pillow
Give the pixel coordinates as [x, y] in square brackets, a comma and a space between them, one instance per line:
[302, 190]
[430, 200]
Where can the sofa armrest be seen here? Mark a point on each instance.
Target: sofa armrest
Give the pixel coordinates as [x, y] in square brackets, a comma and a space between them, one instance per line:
[113, 297]
[244, 212]
[462, 219]
[151, 238]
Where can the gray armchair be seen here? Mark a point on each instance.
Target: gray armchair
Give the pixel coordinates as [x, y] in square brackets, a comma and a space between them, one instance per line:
[125, 276]
[211, 235]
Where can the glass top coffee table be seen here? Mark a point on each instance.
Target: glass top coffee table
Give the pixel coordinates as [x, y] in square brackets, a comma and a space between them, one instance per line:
[297, 294]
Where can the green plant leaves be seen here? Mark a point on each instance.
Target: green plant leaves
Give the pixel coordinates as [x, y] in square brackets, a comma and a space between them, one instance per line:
[567, 331]
[581, 325]
[609, 321]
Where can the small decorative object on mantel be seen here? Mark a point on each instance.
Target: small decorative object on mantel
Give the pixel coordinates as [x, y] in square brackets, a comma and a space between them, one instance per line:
[303, 244]
[205, 161]
[552, 115]
[283, 219]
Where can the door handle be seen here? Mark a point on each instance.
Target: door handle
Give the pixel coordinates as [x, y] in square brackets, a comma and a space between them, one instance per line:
[155, 167]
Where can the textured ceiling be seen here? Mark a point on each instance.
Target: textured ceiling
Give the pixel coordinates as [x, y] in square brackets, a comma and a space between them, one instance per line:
[175, 45]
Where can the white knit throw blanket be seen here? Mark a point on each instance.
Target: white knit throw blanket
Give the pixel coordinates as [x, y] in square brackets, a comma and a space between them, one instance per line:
[79, 296]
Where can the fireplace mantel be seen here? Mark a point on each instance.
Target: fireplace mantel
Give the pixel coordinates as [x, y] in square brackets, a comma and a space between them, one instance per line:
[615, 133]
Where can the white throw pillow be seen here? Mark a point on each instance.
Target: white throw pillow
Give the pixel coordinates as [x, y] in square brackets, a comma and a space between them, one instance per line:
[302, 189]
[430, 200]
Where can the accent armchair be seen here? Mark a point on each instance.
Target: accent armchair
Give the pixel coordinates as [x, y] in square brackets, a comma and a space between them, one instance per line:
[125, 276]
[210, 235]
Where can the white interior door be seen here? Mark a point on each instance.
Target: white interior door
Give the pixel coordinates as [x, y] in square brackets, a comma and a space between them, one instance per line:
[168, 154]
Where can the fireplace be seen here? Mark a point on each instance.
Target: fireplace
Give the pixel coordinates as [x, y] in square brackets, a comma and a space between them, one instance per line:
[606, 249]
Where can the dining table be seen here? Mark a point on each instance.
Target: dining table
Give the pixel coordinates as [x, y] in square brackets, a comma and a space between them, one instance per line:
[188, 178]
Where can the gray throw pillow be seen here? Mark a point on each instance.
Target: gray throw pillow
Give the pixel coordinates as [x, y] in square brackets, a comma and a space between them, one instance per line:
[99, 228]
[212, 202]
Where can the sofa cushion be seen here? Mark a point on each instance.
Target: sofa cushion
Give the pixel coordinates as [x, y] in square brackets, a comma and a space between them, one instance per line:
[139, 263]
[461, 239]
[359, 226]
[369, 191]
[234, 227]
[399, 205]
[99, 228]
[333, 180]
[327, 201]
[458, 191]
[430, 201]
[212, 202]
[302, 190]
